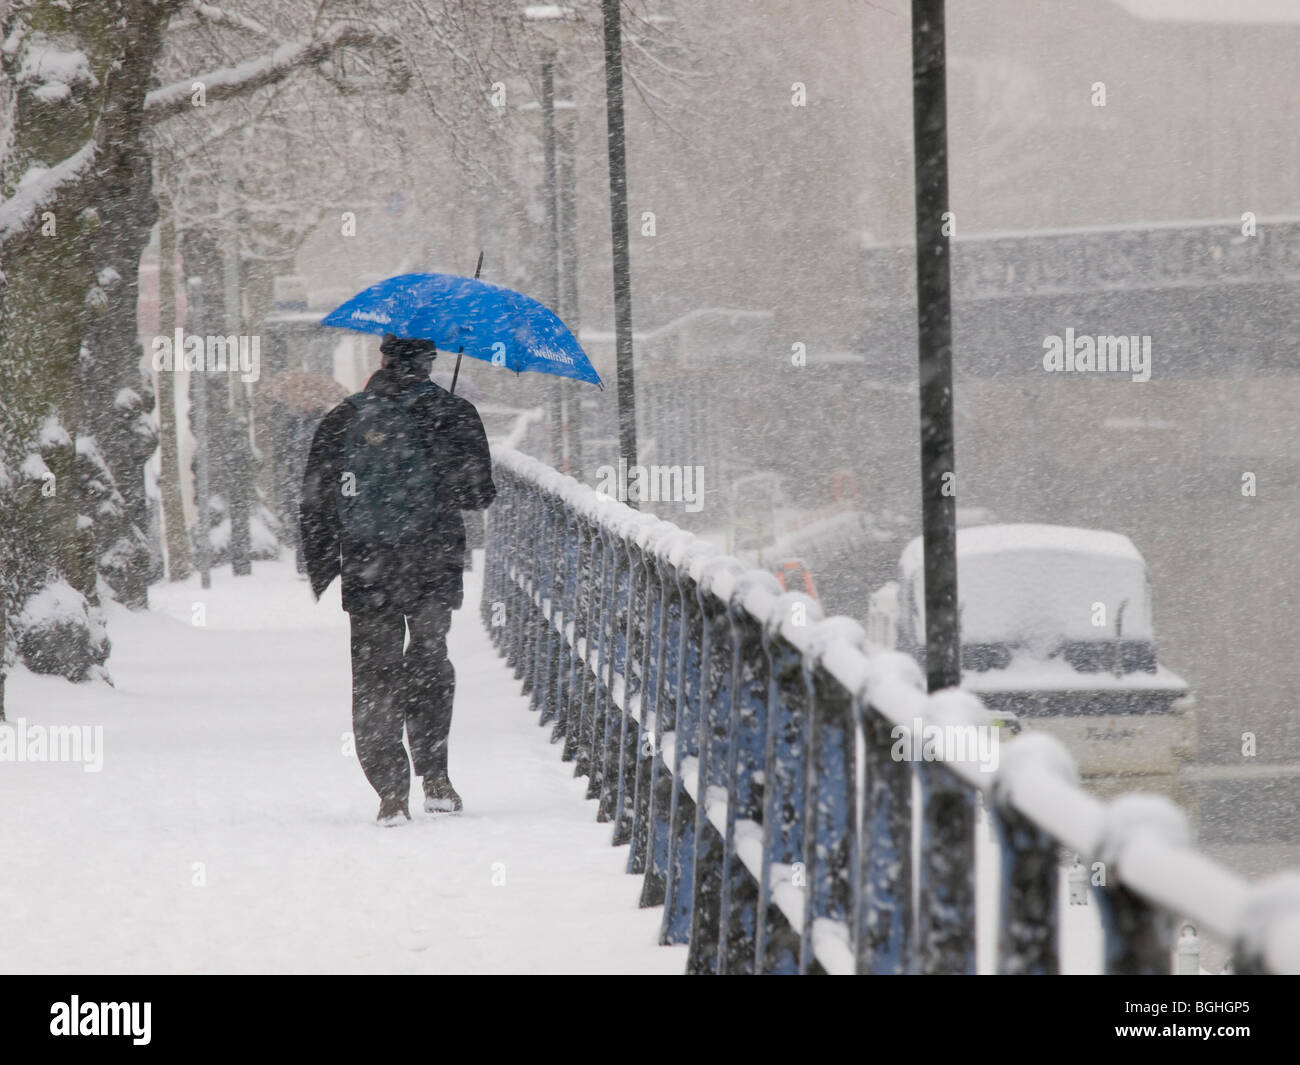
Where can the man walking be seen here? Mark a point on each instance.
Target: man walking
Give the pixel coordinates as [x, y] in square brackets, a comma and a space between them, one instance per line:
[389, 472]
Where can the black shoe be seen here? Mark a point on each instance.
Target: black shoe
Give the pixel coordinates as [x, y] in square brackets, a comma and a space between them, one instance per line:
[440, 797]
[393, 812]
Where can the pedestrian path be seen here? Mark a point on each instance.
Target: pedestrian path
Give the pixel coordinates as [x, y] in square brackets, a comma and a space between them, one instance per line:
[230, 829]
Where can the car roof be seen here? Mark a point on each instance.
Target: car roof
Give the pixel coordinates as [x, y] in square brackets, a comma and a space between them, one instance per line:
[1009, 539]
[1034, 584]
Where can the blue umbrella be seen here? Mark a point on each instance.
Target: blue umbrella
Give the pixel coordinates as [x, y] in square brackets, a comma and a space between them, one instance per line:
[485, 321]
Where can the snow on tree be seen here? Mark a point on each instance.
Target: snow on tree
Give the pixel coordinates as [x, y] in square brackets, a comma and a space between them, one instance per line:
[80, 93]
[92, 94]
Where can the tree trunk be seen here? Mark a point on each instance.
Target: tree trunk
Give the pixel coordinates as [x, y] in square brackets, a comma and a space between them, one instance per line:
[179, 563]
[119, 394]
[238, 456]
[61, 284]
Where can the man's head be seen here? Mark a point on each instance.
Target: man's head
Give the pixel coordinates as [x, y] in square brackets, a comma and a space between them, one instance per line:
[409, 353]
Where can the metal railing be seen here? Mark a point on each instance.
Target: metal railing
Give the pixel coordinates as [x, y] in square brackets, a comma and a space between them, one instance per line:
[743, 746]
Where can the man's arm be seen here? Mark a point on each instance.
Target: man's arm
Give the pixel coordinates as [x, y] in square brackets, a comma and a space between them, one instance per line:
[469, 469]
[318, 519]
[481, 490]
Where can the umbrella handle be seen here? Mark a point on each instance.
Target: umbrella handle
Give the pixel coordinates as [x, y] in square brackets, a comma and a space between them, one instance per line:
[456, 372]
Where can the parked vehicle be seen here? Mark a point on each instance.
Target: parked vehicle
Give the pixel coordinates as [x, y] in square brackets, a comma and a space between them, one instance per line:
[1057, 634]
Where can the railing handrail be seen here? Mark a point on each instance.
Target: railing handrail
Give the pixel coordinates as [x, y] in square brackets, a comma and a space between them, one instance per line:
[1141, 839]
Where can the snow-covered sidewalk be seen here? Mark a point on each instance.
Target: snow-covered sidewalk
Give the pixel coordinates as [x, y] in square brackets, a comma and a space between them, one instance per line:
[228, 830]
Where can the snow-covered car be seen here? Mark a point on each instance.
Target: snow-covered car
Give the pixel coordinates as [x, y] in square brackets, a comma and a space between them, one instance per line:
[1057, 634]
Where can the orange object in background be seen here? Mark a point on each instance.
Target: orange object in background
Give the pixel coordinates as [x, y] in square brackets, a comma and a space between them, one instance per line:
[796, 568]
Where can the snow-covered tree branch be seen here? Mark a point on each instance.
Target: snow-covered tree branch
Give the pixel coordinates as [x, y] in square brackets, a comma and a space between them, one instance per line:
[227, 82]
[39, 193]
[220, 16]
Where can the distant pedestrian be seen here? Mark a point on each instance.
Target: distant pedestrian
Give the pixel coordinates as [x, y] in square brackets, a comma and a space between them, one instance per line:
[389, 472]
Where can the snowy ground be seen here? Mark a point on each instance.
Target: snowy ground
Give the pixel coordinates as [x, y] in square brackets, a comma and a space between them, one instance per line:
[229, 832]
[223, 745]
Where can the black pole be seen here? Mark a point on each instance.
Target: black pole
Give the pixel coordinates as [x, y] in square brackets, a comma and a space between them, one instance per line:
[618, 232]
[566, 137]
[478, 269]
[934, 321]
[552, 238]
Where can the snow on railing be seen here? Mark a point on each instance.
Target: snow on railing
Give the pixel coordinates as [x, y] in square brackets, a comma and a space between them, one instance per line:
[745, 747]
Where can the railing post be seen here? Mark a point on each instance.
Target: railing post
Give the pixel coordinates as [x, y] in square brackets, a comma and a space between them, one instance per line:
[570, 559]
[784, 856]
[528, 567]
[946, 876]
[679, 890]
[637, 639]
[885, 916]
[659, 794]
[514, 567]
[613, 667]
[739, 916]
[553, 644]
[1138, 937]
[1029, 911]
[647, 737]
[501, 526]
[717, 675]
[830, 804]
[599, 650]
[577, 733]
[531, 569]
[491, 590]
[517, 613]
[1267, 941]
[578, 557]
[546, 583]
[1028, 924]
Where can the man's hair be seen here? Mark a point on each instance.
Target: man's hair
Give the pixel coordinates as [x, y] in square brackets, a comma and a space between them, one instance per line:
[406, 348]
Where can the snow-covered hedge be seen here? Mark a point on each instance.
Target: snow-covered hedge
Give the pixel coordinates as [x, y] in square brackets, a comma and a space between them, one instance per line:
[58, 631]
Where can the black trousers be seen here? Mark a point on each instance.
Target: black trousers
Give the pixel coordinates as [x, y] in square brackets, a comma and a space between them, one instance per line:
[392, 689]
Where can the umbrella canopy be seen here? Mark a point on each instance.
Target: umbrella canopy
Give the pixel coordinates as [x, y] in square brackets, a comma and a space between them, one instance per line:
[491, 323]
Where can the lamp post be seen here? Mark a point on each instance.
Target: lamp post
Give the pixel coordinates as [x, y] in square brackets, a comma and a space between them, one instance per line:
[566, 131]
[934, 320]
[617, 139]
[552, 241]
[554, 24]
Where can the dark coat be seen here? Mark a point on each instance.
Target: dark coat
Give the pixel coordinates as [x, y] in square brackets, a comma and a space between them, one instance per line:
[377, 578]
